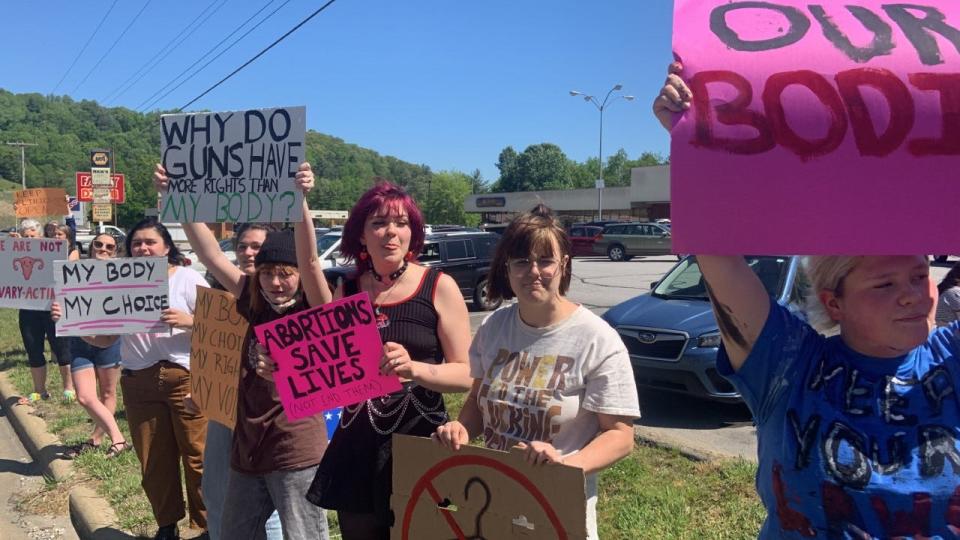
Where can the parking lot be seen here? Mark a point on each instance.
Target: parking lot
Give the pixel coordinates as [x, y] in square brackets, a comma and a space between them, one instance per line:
[702, 426]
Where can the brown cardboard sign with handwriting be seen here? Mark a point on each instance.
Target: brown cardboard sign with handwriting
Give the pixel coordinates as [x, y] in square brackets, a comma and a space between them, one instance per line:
[215, 347]
[482, 493]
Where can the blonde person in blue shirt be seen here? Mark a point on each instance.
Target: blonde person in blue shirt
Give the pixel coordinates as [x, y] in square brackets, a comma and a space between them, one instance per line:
[857, 432]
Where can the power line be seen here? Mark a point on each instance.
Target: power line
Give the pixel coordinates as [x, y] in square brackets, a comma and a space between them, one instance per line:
[141, 107]
[95, 66]
[259, 54]
[84, 48]
[166, 50]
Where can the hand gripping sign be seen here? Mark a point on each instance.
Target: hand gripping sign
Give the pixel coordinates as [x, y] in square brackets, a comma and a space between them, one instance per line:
[817, 128]
[327, 357]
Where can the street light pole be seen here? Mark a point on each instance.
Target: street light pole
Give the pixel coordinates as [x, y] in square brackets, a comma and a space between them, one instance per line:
[601, 106]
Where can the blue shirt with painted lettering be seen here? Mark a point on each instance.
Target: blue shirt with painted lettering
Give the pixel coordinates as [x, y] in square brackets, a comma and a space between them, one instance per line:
[852, 446]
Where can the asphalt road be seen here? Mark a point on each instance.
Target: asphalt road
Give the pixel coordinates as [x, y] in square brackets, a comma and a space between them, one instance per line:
[703, 426]
[19, 477]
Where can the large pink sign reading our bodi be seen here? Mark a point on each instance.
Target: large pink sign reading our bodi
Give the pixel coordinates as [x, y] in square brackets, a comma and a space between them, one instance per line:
[327, 357]
[817, 127]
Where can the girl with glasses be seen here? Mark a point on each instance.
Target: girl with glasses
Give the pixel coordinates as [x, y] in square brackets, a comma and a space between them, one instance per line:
[547, 358]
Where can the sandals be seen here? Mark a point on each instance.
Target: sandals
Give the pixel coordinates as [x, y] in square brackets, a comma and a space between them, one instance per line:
[118, 448]
[74, 451]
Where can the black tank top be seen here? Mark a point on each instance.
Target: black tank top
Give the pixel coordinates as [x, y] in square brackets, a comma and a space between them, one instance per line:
[411, 322]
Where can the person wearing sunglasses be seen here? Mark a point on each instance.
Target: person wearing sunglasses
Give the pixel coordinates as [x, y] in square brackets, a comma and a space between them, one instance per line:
[546, 358]
[97, 387]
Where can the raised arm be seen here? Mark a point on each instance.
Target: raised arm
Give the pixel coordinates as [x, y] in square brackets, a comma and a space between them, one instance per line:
[205, 245]
[740, 302]
[311, 270]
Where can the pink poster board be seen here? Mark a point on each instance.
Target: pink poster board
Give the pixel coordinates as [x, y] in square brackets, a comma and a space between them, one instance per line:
[826, 128]
[327, 357]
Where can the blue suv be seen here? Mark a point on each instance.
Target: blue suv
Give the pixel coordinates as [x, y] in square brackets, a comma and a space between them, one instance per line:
[672, 335]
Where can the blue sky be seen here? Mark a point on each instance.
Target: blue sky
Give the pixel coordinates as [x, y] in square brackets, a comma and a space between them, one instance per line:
[444, 83]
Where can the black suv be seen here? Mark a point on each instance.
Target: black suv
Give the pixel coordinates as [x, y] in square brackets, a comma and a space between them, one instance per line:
[464, 255]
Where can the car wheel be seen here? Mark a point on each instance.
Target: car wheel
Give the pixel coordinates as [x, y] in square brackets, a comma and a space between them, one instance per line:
[481, 299]
[616, 253]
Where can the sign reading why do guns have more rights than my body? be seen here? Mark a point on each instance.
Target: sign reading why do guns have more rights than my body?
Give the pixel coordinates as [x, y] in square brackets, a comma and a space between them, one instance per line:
[817, 128]
[26, 271]
[327, 356]
[215, 349]
[110, 297]
[482, 493]
[233, 166]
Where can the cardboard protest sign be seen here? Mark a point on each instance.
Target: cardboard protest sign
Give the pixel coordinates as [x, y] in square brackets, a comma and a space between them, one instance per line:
[215, 347]
[26, 271]
[815, 128]
[233, 166]
[482, 493]
[327, 357]
[32, 203]
[110, 297]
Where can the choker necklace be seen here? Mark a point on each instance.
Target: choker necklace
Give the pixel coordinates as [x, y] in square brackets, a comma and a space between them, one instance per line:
[393, 275]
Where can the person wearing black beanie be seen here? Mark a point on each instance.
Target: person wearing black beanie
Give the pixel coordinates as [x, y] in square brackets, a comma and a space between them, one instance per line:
[273, 459]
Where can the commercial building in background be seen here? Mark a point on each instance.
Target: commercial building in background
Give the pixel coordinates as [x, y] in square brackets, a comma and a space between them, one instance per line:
[647, 198]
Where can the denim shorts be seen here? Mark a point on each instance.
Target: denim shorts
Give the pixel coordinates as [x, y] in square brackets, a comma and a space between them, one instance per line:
[87, 356]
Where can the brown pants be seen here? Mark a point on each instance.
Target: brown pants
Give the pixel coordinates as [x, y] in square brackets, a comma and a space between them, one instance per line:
[164, 434]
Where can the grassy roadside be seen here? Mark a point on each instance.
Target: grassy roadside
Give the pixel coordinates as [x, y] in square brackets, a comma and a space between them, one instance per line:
[654, 493]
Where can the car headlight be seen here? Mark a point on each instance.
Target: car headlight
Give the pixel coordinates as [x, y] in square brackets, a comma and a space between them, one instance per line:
[709, 340]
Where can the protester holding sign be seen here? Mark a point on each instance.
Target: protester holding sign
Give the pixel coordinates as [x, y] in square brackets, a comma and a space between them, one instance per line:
[96, 388]
[156, 380]
[64, 232]
[35, 326]
[549, 375]
[857, 432]
[216, 454]
[423, 323]
[273, 459]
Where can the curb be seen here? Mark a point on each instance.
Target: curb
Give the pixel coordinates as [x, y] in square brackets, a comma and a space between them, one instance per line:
[92, 517]
[696, 454]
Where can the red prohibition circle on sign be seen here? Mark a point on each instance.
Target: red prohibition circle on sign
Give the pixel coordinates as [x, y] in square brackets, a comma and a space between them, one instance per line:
[425, 484]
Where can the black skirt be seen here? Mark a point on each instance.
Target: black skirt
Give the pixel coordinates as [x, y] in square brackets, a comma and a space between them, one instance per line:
[356, 473]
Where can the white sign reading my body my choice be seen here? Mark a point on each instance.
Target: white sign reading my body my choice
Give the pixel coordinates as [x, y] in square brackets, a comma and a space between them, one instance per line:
[233, 166]
[116, 296]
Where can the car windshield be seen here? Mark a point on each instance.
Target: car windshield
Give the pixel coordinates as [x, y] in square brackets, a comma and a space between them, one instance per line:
[685, 280]
[324, 242]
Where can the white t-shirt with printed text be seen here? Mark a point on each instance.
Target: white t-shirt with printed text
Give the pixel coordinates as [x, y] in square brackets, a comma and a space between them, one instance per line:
[548, 384]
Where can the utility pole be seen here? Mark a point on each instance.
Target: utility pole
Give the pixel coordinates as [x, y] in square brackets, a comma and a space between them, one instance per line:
[23, 161]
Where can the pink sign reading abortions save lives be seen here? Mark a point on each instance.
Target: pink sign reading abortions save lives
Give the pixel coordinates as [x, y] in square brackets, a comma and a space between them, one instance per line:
[327, 357]
[817, 128]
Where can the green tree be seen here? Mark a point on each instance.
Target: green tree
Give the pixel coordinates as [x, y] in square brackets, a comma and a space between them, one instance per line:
[507, 163]
[542, 166]
[444, 205]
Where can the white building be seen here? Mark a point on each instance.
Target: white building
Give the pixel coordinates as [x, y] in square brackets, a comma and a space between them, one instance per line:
[646, 198]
